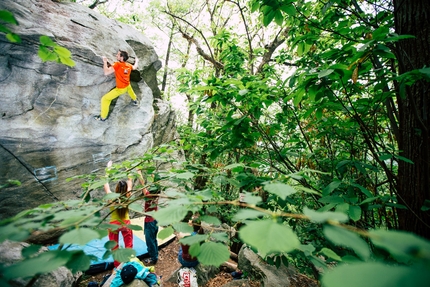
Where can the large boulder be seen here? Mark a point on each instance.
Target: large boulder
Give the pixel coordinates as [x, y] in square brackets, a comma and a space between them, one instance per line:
[47, 130]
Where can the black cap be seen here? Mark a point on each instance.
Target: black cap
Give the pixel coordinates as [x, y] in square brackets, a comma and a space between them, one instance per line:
[128, 273]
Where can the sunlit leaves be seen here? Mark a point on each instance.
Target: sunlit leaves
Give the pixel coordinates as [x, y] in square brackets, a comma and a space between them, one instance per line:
[8, 17]
[268, 236]
[51, 51]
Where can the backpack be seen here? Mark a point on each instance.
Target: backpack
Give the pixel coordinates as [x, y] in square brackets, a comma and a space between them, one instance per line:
[187, 277]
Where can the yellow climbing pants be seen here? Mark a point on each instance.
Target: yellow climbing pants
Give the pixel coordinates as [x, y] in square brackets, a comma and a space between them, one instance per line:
[113, 94]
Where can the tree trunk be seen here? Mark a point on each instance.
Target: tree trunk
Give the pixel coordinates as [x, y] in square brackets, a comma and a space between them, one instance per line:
[412, 17]
[166, 62]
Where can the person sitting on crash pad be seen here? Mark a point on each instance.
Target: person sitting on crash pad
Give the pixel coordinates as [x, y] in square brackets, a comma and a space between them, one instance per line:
[134, 269]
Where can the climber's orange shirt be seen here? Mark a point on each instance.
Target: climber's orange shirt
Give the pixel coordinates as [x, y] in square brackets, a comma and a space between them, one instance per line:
[122, 74]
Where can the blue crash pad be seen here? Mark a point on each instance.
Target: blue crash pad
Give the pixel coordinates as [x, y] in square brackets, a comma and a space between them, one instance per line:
[96, 249]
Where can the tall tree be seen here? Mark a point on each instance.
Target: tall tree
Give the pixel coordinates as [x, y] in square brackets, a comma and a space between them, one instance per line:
[412, 17]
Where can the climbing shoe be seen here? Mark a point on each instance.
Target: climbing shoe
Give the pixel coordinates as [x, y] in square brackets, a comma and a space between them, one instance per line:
[99, 118]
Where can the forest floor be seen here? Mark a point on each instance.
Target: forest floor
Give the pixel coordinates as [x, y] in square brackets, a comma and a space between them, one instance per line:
[168, 263]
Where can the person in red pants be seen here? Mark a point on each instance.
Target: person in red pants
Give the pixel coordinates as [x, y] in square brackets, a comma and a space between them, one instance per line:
[120, 215]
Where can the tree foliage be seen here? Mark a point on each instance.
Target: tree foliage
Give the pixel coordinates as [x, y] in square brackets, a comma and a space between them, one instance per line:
[296, 134]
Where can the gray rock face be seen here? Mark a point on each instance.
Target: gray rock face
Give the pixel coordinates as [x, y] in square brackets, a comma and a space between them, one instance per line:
[47, 108]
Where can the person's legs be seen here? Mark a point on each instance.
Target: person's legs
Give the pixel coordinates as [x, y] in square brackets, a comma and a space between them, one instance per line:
[107, 99]
[113, 236]
[131, 93]
[151, 230]
[127, 235]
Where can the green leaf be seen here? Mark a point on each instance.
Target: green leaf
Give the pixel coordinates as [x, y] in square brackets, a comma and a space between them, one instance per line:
[243, 214]
[67, 61]
[343, 237]
[332, 186]
[251, 198]
[135, 227]
[44, 53]
[403, 246]
[72, 220]
[363, 190]
[79, 262]
[279, 19]
[280, 189]
[62, 52]
[29, 251]
[307, 249]
[123, 254]
[375, 274]
[325, 73]
[182, 227]
[403, 159]
[185, 175]
[268, 236]
[195, 249]
[425, 71]
[170, 214]
[267, 18]
[111, 196]
[320, 217]
[135, 207]
[193, 239]
[426, 205]
[289, 9]
[220, 236]
[110, 244]
[354, 212]
[331, 254]
[43, 263]
[8, 17]
[255, 6]
[165, 232]
[210, 220]
[212, 253]
[99, 184]
[46, 41]
[14, 38]
[80, 236]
